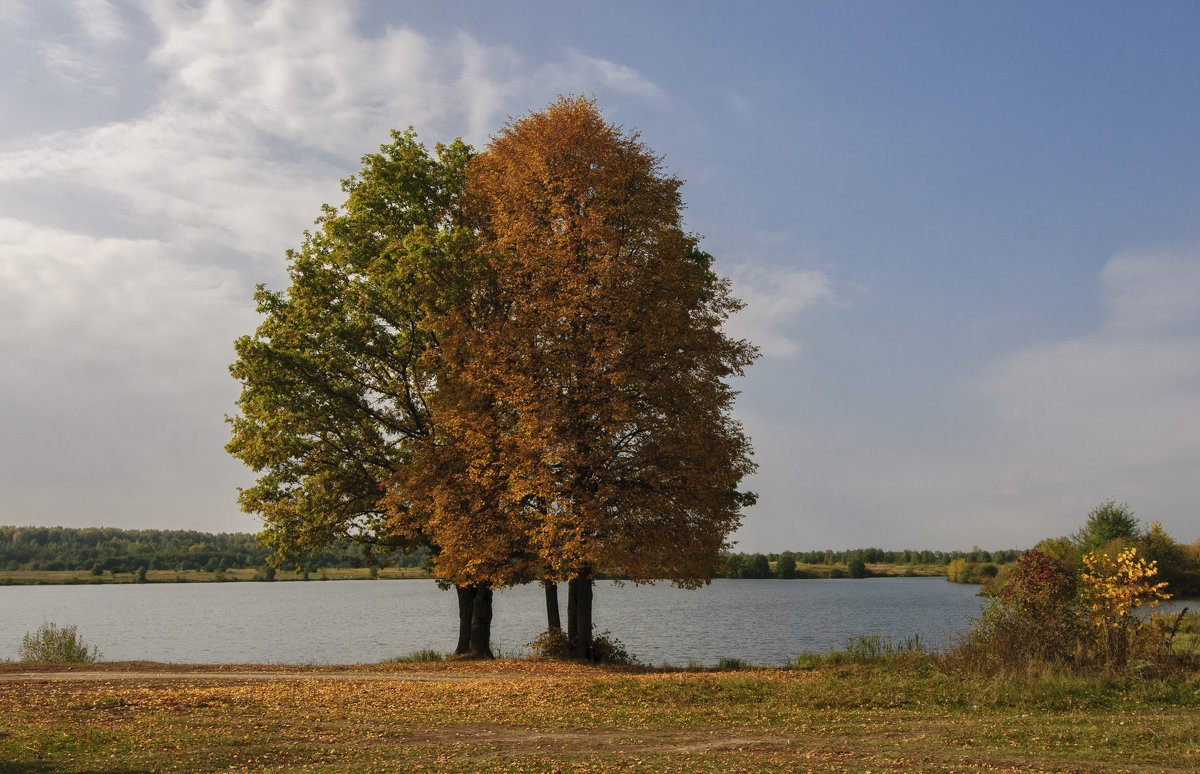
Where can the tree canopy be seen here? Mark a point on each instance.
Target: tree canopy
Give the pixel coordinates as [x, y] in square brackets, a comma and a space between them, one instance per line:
[333, 394]
[515, 357]
[1106, 522]
[592, 375]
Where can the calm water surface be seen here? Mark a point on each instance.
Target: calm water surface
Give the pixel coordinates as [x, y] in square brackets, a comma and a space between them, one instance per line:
[346, 622]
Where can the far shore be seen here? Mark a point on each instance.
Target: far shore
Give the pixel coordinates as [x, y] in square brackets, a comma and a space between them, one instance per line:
[84, 578]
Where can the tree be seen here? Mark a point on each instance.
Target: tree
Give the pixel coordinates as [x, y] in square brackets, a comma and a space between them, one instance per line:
[334, 395]
[785, 566]
[1116, 589]
[1033, 616]
[1062, 549]
[583, 406]
[1106, 522]
[754, 567]
[1159, 547]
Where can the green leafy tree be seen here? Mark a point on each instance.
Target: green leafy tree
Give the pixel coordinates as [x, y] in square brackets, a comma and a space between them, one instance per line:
[335, 393]
[1064, 550]
[1168, 556]
[756, 566]
[785, 566]
[1106, 523]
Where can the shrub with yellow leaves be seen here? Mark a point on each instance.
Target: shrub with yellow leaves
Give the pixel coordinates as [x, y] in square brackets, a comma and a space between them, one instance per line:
[1117, 592]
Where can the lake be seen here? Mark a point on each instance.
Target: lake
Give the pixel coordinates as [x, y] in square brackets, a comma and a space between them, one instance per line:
[349, 622]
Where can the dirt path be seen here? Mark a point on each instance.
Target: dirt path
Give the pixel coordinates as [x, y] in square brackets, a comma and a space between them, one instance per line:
[269, 677]
[429, 673]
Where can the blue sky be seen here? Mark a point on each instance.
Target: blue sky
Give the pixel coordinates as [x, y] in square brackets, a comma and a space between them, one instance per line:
[968, 235]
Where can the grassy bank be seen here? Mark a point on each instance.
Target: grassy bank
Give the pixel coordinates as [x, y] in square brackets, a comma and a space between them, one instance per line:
[880, 570]
[78, 577]
[74, 577]
[524, 716]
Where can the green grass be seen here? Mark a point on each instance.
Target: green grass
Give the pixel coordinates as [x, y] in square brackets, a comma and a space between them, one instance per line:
[71, 577]
[898, 715]
[882, 570]
[426, 656]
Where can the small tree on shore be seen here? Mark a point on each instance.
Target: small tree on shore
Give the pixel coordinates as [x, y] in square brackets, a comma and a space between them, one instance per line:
[1106, 523]
[1116, 591]
[1033, 618]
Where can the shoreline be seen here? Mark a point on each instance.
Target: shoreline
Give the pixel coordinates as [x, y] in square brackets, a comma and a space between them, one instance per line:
[254, 575]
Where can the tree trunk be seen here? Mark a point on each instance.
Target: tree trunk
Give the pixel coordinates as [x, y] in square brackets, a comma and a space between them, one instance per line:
[481, 623]
[466, 609]
[572, 606]
[553, 621]
[582, 617]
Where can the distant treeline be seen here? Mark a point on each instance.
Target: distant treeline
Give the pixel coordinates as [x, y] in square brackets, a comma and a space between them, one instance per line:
[107, 549]
[812, 564]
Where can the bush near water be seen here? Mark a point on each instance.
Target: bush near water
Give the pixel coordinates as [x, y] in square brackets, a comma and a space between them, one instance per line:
[54, 644]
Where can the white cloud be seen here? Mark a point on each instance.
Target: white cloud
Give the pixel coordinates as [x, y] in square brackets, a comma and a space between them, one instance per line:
[124, 310]
[775, 299]
[1135, 380]
[199, 178]
[263, 108]
[99, 20]
[80, 55]
[300, 71]
[1113, 412]
[1152, 292]
[14, 14]
[69, 62]
[609, 76]
[114, 381]
[1018, 452]
[127, 274]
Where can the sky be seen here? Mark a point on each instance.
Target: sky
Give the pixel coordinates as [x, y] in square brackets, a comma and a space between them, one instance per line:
[967, 235]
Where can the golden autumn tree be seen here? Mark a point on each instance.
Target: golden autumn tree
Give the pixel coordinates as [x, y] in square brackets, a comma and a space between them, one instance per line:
[583, 406]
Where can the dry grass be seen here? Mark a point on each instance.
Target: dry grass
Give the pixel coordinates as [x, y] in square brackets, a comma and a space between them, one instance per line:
[882, 570]
[525, 716]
